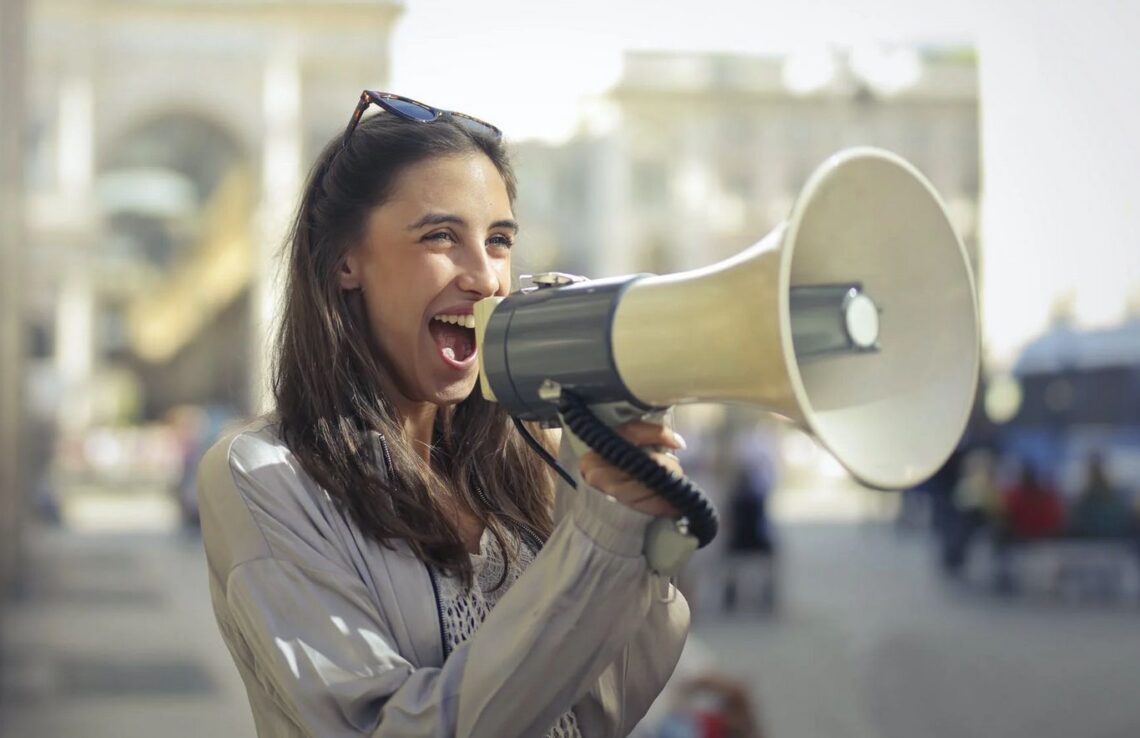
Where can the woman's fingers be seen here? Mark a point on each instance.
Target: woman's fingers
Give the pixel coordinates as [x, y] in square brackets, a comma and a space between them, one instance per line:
[640, 433]
[596, 470]
[602, 475]
[658, 442]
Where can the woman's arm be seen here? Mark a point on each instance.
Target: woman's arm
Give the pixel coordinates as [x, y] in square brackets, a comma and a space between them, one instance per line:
[623, 694]
[319, 645]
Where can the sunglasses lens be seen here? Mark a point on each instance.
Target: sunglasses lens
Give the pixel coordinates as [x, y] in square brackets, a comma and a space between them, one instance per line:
[409, 109]
[478, 127]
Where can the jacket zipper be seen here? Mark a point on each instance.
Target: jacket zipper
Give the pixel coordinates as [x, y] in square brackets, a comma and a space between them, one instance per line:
[531, 537]
[431, 572]
[439, 611]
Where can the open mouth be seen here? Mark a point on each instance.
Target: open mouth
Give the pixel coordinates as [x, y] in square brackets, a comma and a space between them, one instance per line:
[454, 336]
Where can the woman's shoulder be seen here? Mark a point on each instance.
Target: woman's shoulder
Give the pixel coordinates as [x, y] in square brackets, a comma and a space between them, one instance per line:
[247, 454]
[254, 444]
[254, 493]
[254, 461]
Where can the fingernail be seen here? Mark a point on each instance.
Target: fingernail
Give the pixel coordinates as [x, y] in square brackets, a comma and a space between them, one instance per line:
[680, 441]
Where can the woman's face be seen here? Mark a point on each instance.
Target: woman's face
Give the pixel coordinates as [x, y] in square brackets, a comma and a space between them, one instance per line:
[438, 245]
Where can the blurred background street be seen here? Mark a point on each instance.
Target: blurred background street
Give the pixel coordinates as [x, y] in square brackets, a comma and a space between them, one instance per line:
[115, 636]
[152, 153]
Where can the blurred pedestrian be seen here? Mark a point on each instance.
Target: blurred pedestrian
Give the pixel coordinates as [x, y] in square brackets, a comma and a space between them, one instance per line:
[1031, 508]
[751, 546]
[187, 424]
[711, 705]
[1100, 511]
[977, 500]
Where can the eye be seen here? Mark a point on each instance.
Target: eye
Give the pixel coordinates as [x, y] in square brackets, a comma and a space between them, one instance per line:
[440, 237]
[501, 241]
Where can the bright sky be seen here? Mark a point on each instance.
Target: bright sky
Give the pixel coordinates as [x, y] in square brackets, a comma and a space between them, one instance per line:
[1060, 109]
[526, 64]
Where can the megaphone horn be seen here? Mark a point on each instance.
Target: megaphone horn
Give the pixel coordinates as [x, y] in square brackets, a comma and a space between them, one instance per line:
[856, 319]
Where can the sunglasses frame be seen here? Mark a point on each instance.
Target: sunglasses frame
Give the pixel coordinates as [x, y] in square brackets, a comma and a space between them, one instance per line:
[381, 100]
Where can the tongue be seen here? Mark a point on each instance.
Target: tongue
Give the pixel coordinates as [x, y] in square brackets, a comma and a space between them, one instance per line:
[454, 342]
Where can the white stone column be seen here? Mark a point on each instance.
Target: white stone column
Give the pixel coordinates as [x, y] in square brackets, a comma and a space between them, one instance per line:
[281, 181]
[75, 312]
[610, 203]
[694, 189]
[75, 346]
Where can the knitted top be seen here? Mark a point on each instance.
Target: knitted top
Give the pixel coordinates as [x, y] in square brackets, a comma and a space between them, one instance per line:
[464, 610]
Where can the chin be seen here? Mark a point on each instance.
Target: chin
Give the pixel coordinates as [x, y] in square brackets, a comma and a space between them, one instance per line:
[454, 393]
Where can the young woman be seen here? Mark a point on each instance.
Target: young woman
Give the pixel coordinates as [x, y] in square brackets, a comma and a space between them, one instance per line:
[387, 556]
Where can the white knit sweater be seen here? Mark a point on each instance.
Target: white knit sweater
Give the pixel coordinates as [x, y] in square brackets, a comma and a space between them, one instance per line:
[465, 609]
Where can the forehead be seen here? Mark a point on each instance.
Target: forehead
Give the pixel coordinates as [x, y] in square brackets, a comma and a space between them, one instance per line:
[468, 181]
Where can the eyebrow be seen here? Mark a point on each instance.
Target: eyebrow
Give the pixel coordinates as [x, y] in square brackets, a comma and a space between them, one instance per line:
[447, 218]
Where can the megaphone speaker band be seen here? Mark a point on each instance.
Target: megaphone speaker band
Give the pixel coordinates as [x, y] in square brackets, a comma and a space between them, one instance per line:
[559, 334]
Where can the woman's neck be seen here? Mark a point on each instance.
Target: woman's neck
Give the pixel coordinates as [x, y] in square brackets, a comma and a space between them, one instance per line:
[418, 420]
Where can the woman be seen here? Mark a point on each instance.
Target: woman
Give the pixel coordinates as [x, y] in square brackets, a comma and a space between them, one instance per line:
[387, 556]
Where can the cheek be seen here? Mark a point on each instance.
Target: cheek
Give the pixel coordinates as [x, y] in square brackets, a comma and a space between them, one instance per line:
[393, 325]
[505, 277]
[390, 290]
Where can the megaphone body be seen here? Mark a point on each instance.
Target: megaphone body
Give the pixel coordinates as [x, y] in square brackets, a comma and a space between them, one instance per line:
[856, 319]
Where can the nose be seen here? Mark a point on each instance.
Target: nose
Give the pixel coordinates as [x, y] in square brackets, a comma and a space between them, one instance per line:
[480, 273]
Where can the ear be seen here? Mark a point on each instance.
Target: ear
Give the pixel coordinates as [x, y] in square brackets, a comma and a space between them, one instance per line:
[349, 275]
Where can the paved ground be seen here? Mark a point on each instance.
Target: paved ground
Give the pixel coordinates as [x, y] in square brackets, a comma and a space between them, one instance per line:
[114, 637]
[871, 642]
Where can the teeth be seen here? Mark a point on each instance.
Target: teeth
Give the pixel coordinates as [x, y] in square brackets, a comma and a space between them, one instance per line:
[467, 321]
[449, 353]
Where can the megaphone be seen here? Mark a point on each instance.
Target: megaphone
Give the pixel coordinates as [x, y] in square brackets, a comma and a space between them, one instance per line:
[855, 319]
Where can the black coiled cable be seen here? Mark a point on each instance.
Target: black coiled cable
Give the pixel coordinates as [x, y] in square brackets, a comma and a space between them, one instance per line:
[677, 490]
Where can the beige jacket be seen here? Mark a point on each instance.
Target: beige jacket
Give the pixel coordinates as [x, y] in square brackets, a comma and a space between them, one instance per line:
[335, 635]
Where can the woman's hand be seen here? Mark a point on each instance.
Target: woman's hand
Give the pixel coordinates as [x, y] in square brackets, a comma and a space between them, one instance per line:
[601, 475]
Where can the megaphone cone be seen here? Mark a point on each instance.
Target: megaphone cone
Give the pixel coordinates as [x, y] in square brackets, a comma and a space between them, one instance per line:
[728, 332]
[856, 319]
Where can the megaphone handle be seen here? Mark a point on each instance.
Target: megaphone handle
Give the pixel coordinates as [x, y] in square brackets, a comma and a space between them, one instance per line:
[614, 414]
[668, 543]
[589, 432]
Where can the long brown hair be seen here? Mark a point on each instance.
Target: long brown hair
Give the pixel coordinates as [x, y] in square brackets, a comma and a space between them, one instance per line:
[327, 375]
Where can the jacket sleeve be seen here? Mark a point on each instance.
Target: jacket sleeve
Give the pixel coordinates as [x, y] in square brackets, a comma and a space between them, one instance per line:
[624, 692]
[320, 646]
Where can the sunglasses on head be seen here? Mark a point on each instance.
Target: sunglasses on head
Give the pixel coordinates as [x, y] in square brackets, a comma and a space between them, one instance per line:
[409, 109]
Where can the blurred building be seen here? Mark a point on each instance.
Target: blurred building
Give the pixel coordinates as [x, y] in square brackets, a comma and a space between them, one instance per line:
[705, 153]
[13, 474]
[1072, 394]
[168, 143]
[151, 154]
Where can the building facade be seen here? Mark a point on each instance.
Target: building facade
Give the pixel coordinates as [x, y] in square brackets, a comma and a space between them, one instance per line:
[169, 141]
[707, 152]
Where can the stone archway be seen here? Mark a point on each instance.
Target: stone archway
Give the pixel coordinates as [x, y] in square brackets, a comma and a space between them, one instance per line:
[176, 200]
